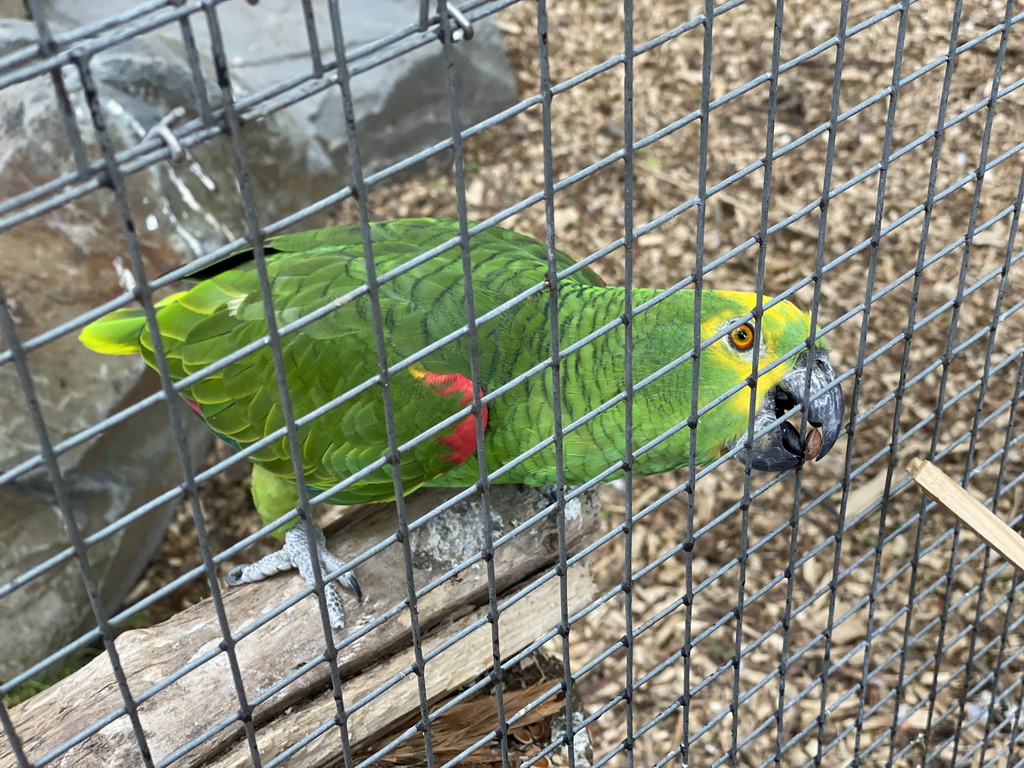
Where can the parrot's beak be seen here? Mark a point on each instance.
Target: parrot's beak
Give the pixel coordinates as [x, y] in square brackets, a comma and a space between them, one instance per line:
[782, 448]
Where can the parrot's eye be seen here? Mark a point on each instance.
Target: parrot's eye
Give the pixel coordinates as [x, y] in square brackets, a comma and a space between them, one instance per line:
[742, 337]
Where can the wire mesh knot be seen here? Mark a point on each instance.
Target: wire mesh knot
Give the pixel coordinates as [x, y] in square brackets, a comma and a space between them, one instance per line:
[162, 130]
[465, 26]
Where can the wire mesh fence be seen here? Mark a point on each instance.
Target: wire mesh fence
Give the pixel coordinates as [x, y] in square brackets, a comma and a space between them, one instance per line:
[862, 161]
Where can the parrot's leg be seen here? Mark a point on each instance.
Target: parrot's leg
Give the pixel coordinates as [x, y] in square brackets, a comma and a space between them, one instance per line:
[295, 554]
[274, 496]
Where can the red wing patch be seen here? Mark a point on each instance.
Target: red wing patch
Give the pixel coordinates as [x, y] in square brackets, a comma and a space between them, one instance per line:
[462, 440]
[193, 405]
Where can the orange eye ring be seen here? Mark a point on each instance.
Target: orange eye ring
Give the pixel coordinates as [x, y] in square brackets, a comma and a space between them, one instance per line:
[742, 336]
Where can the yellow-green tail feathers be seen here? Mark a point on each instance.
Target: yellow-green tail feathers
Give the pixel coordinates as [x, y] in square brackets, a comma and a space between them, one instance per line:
[120, 332]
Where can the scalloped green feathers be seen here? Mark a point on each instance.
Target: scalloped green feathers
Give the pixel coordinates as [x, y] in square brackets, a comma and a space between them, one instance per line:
[336, 354]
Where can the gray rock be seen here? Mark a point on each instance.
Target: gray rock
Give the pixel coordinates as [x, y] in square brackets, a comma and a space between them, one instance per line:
[55, 267]
[401, 105]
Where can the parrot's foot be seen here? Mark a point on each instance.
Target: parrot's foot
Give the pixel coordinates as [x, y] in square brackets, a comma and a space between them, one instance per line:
[295, 554]
[549, 492]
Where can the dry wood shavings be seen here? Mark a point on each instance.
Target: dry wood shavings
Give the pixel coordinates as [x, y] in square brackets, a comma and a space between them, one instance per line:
[743, 651]
[537, 735]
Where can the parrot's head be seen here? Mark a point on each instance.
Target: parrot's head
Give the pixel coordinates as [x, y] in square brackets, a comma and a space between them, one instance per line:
[804, 380]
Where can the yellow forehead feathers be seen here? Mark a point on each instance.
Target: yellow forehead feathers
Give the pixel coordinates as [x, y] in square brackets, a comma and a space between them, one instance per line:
[728, 360]
[780, 319]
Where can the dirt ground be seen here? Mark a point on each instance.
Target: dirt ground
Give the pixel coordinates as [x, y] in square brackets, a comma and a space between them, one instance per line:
[907, 629]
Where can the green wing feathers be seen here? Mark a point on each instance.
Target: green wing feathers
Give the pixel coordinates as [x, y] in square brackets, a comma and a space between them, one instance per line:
[333, 359]
[120, 332]
[326, 358]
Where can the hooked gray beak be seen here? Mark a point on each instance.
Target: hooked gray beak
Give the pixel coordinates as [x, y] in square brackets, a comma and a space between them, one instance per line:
[781, 448]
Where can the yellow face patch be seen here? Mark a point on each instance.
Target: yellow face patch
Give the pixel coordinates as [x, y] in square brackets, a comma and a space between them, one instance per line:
[730, 364]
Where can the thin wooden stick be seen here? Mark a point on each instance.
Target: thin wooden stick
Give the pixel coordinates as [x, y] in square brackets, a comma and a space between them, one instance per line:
[953, 498]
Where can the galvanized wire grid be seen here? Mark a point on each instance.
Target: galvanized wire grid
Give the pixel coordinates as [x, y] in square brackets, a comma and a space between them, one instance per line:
[993, 667]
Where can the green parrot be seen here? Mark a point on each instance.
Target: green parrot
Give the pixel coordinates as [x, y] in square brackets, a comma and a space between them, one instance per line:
[337, 352]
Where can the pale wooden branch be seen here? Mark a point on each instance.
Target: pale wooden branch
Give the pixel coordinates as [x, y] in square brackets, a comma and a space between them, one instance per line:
[956, 500]
[452, 668]
[205, 696]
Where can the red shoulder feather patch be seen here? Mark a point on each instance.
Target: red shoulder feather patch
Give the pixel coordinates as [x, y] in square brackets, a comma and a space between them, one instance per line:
[462, 440]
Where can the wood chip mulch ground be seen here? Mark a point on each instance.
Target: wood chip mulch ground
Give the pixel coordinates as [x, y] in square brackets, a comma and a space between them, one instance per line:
[938, 647]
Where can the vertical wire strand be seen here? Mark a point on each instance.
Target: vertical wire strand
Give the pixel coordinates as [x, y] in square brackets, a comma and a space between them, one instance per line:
[993, 104]
[47, 47]
[12, 736]
[63, 504]
[883, 175]
[796, 513]
[1000, 480]
[789, 574]
[628, 180]
[561, 569]
[929, 206]
[380, 345]
[61, 494]
[947, 360]
[691, 421]
[787, 619]
[1000, 483]
[486, 509]
[1017, 722]
[839, 536]
[757, 313]
[202, 100]
[188, 471]
[255, 235]
[312, 38]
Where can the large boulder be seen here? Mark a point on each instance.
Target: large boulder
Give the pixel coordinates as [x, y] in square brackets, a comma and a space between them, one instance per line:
[56, 266]
[401, 104]
[60, 264]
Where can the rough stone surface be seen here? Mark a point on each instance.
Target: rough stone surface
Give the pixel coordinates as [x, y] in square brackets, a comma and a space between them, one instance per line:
[401, 106]
[61, 264]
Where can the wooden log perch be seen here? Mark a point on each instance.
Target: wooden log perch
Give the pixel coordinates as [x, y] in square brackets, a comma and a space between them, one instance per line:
[956, 500]
[205, 696]
[452, 668]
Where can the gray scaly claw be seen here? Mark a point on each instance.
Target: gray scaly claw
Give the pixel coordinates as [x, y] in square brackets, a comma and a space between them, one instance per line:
[295, 554]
